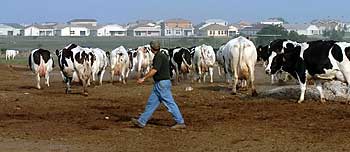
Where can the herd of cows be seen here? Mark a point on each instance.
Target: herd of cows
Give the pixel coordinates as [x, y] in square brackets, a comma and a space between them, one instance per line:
[317, 60]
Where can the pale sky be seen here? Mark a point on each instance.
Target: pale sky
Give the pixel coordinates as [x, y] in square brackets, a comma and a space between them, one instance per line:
[124, 11]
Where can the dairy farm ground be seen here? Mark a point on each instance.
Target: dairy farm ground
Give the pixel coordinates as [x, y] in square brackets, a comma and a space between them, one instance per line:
[50, 120]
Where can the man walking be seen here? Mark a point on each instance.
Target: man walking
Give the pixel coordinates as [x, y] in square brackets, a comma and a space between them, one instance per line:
[161, 91]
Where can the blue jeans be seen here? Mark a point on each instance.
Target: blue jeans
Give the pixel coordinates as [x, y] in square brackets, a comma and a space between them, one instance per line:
[161, 92]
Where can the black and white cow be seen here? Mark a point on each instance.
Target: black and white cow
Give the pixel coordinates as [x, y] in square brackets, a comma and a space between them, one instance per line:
[41, 63]
[75, 59]
[321, 60]
[180, 61]
[144, 60]
[203, 62]
[100, 64]
[263, 55]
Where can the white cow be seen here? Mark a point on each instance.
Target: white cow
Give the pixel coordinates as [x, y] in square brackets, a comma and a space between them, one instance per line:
[120, 64]
[99, 65]
[11, 54]
[41, 63]
[203, 61]
[144, 60]
[242, 57]
[75, 59]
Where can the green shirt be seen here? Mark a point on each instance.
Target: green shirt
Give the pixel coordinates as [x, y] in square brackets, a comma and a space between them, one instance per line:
[161, 64]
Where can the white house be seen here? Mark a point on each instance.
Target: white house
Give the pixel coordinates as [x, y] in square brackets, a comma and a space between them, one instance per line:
[39, 30]
[145, 30]
[271, 21]
[233, 30]
[303, 29]
[214, 30]
[11, 29]
[213, 21]
[111, 30]
[91, 22]
[71, 30]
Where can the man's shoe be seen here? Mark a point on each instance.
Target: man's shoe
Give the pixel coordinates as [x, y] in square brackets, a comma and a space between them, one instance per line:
[178, 126]
[136, 123]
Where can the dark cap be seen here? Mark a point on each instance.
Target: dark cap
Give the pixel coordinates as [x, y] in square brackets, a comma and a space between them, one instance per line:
[155, 45]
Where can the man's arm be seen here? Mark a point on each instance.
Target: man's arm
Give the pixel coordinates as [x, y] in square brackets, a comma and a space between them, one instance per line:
[148, 75]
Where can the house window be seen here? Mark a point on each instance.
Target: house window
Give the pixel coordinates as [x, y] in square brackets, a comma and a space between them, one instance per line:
[168, 31]
[178, 32]
[137, 33]
[72, 32]
[41, 33]
[210, 32]
[82, 33]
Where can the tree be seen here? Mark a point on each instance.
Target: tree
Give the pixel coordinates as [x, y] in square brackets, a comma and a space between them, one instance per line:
[334, 35]
[294, 36]
[270, 33]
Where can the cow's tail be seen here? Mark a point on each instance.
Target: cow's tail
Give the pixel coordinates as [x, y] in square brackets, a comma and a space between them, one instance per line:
[240, 54]
[30, 62]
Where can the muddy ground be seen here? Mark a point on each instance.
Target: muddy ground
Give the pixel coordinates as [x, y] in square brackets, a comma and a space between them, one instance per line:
[49, 120]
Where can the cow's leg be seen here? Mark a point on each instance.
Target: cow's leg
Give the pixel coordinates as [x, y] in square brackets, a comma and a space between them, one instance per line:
[112, 76]
[211, 74]
[234, 82]
[47, 78]
[302, 91]
[123, 76]
[101, 76]
[273, 78]
[199, 74]
[84, 82]
[38, 81]
[319, 88]
[127, 74]
[68, 84]
[251, 80]
[219, 70]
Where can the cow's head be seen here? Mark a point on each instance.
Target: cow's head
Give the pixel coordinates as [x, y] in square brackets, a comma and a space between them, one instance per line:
[263, 52]
[284, 58]
[186, 56]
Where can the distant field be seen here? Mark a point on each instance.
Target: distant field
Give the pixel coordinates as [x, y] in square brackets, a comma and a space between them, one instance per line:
[106, 43]
[18, 60]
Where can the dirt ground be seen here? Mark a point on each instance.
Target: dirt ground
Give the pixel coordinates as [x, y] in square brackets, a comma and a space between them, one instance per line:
[49, 120]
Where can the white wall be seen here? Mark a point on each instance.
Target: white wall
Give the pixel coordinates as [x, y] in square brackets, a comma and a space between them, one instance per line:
[74, 31]
[4, 29]
[111, 30]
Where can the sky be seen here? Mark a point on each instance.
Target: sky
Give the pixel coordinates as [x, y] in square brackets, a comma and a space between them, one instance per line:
[124, 11]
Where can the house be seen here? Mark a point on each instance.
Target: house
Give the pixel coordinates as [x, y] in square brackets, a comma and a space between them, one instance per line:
[177, 27]
[91, 22]
[75, 30]
[214, 30]
[233, 30]
[144, 30]
[272, 21]
[11, 29]
[303, 29]
[252, 30]
[111, 30]
[328, 24]
[39, 30]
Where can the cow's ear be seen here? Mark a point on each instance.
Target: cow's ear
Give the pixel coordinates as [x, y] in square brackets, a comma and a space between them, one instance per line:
[57, 52]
